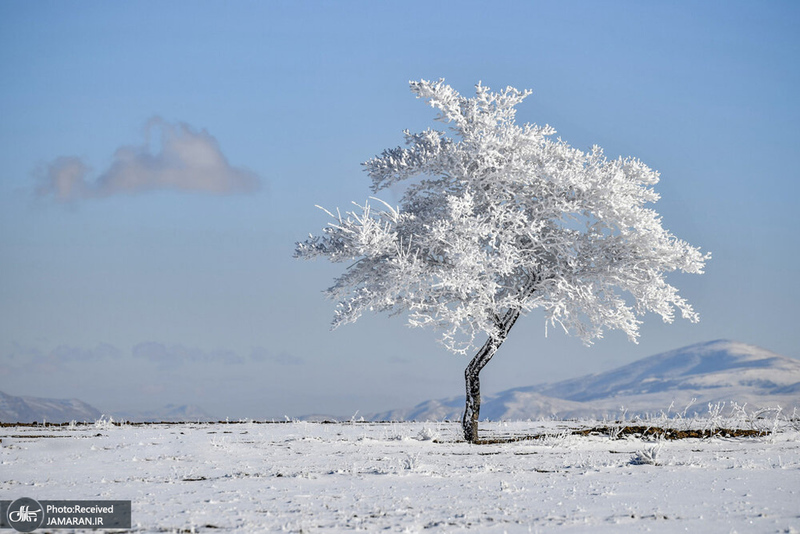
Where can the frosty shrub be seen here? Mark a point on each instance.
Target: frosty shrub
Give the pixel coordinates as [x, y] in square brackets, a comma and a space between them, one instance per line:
[498, 219]
[103, 423]
[647, 456]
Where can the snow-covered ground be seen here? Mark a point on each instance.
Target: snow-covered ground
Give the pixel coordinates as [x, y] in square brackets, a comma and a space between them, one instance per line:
[410, 477]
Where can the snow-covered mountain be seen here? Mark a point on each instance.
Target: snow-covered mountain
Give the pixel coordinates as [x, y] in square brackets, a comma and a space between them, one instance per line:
[30, 409]
[712, 372]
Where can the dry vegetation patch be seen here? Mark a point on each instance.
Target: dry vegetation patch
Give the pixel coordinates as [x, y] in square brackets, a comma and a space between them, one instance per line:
[635, 431]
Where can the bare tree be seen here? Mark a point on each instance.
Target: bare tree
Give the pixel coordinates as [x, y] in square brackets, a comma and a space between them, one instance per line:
[498, 219]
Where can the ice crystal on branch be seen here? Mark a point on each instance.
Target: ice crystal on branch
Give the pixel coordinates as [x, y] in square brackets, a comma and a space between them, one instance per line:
[498, 217]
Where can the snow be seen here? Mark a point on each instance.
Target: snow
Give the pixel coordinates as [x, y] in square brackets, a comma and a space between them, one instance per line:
[410, 477]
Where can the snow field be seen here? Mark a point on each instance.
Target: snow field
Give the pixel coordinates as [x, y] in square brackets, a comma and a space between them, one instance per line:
[408, 477]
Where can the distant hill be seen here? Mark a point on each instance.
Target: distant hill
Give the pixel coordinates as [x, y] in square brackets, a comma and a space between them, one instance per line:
[30, 409]
[169, 413]
[711, 372]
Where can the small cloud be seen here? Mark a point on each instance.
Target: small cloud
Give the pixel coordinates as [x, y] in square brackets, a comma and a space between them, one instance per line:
[64, 353]
[61, 358]
[184, 159]
[64, 179]
[260, 354]
[167, 355]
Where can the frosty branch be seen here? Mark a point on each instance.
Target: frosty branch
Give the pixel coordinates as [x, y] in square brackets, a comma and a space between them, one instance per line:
[496, 220]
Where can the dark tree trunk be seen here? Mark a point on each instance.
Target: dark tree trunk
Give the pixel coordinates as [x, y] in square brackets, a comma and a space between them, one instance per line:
[472, 374]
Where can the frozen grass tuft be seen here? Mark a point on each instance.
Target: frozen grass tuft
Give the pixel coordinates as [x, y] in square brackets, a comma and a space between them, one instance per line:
[647, 456]
[427, 434]
[104, 424]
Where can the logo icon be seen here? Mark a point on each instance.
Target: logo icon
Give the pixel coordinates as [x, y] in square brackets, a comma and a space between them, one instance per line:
[25, 515]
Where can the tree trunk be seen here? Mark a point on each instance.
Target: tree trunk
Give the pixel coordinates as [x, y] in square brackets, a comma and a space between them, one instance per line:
[472, 374]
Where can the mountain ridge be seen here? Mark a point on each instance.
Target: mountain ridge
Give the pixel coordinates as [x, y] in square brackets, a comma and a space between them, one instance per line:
[29, 409]
[712, 372]
[25, 409]
[171, 413]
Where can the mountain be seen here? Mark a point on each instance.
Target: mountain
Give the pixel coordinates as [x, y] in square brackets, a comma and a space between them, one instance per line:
[30, 409]
[169, 413]
[711, 372]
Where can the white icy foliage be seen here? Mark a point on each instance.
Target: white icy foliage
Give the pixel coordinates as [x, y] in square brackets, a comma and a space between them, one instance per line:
[501, 217]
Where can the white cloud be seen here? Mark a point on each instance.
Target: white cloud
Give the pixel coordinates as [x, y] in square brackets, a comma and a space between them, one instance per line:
[185, 160]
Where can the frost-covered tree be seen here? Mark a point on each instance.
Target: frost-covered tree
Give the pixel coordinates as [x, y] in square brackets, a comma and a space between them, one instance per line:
[498, 219]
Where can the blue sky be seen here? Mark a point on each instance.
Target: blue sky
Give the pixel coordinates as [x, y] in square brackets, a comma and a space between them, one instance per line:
[160, 160]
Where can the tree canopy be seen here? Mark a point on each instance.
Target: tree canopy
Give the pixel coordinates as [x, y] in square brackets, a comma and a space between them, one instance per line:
[497, 216]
